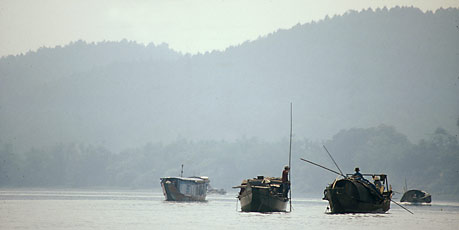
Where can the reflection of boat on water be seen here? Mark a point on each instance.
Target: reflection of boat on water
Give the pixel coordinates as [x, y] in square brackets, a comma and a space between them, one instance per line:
[185, 188]
[416, 196]
[358, 195]
[262, 194]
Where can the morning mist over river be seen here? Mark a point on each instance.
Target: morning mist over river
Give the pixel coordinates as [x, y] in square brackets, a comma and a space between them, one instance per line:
[94, 110]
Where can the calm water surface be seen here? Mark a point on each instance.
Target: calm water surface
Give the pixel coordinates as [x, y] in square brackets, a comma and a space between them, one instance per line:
[57, 209]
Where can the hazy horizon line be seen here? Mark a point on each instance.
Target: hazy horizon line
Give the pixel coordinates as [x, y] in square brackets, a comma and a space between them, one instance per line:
[203, 52]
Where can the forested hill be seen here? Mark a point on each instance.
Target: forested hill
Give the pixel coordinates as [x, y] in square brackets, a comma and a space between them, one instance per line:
[124, 114]
[397, 67]
[430, 165]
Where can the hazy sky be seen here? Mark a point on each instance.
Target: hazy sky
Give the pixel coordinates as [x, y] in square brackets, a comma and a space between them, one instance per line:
[186, 25]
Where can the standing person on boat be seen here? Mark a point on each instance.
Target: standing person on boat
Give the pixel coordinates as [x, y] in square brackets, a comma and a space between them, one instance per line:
[377, 182]
[285, 182]
[357, 174]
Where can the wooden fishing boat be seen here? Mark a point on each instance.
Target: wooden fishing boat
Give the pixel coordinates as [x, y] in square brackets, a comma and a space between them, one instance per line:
[185, 188]
[416, 196]
[358, 195]
[267, 194]
[262, 194]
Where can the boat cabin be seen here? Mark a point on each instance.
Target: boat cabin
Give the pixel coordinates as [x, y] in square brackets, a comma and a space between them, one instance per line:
[185, 188]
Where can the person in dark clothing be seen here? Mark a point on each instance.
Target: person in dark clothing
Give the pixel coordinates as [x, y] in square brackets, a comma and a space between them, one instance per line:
[285, 181]
[357, 174]
[285, 174]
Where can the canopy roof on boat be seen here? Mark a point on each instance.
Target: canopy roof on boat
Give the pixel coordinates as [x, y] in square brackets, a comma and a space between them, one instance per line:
[195, 179]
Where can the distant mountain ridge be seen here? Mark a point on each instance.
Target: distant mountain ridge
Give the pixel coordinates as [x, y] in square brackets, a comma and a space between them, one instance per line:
[394, 66]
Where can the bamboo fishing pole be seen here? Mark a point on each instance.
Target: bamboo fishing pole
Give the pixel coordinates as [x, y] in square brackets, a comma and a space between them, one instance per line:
[333, 160]
[401, 206]
[290, 156]
[331, 170]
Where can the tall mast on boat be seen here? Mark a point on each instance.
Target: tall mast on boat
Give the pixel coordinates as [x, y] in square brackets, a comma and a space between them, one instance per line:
[290, 157]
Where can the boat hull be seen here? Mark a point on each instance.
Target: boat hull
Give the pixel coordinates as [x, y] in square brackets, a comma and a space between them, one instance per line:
[261, 200]
[172, 192]
[348, 196]
[416, 196]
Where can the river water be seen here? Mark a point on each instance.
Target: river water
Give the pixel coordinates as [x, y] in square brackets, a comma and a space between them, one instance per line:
[60, 209]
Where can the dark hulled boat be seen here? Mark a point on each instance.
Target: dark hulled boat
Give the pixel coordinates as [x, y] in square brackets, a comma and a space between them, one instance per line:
[185, 188]
[262, 194]
[416, 196]
[358, 195]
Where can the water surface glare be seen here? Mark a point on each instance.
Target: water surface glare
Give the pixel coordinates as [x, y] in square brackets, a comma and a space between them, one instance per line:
[60, 209]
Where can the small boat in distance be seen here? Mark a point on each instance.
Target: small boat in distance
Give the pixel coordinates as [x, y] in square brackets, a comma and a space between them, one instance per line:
[211, 190]
[262, 194]
[416, 196]
[185, 188]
